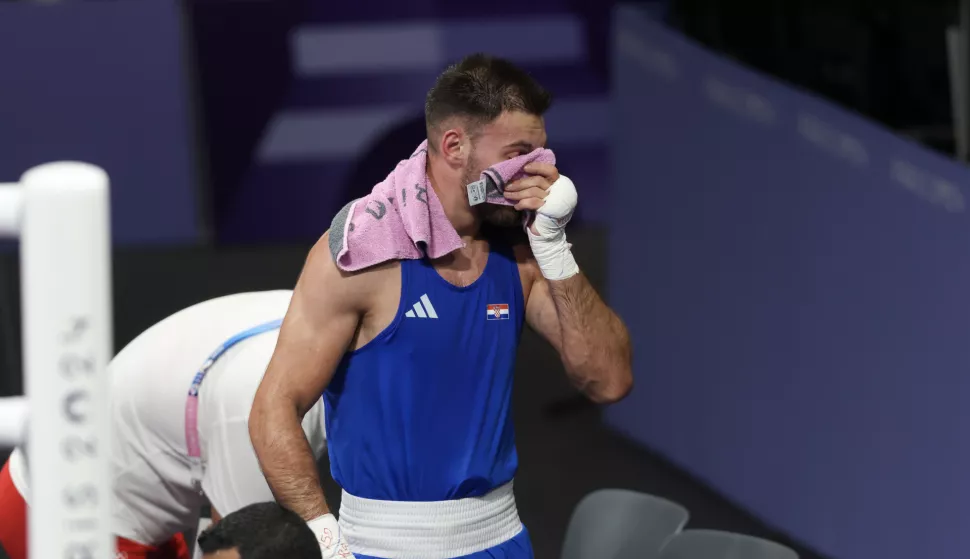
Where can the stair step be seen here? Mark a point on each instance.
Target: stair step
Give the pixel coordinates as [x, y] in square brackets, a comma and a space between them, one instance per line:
[431, 45]
[564, 81]
[306, 135]
[381, 11]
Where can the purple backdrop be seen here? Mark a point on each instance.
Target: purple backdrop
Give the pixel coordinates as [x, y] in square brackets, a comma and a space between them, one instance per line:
[104, 82]
[306, 104]
[316, 102]
[795, 282]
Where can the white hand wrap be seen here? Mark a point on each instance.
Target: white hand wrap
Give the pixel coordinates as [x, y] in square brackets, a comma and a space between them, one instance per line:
[550, 248]
[327, 531]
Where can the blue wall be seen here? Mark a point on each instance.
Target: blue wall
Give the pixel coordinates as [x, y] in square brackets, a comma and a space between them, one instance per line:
[104, 82]
[797, 284]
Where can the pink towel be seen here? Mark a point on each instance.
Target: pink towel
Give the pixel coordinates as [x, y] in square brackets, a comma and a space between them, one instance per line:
[403, 212]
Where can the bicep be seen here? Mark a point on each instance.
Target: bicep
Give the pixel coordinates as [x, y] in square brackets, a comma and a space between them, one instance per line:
[319, 325]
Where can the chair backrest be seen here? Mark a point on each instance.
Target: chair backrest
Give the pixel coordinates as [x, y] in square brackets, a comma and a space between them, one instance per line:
[621, 524]
[712, 544]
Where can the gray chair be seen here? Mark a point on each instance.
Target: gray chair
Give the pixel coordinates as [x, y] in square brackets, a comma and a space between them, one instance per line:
[621, 524]
[712, 544]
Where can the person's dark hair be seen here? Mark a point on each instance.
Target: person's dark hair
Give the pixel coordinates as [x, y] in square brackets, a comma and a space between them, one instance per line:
[262, 531]
[480, 88]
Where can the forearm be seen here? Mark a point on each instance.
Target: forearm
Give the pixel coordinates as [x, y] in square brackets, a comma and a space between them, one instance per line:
[595, 344]
[591, 339]
[286, 459]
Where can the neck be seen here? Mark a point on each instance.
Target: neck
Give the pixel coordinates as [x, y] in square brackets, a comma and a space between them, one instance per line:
[445, 182]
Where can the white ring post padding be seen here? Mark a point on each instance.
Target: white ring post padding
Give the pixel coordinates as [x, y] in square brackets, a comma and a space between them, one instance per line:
[65, 260]
[13, 418]
[10, 209]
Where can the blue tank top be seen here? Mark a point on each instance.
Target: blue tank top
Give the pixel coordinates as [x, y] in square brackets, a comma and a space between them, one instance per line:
[423, 411]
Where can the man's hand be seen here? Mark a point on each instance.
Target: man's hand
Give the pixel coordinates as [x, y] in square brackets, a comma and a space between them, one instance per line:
[332, 544]
[529, 193]
[546, 192]
[553, 198]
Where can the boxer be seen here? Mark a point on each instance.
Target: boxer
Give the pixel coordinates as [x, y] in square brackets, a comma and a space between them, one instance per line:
[418, 404]
[181, 395]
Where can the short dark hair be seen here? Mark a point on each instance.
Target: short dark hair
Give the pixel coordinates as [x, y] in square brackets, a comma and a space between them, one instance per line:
[481, 87]
[262, 531]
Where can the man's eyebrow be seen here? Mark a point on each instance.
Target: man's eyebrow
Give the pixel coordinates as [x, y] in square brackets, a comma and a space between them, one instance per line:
[520, 144]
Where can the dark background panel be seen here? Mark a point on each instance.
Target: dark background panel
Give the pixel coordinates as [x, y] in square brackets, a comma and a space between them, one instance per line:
[885, 59]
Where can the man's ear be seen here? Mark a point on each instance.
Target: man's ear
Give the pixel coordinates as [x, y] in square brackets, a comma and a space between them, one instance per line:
[453, 147]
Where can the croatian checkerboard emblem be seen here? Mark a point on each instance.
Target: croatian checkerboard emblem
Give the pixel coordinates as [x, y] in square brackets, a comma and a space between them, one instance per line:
[497, 312]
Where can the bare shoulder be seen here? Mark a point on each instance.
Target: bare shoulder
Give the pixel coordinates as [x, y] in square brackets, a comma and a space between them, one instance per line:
[352, 290]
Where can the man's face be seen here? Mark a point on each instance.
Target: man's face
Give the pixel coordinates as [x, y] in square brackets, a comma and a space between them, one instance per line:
[510, 135]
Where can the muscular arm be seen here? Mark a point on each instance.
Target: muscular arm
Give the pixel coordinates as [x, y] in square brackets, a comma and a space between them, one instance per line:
[319, 325]
[591, 339]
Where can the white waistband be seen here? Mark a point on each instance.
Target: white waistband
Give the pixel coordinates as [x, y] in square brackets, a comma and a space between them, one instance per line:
[429, 529]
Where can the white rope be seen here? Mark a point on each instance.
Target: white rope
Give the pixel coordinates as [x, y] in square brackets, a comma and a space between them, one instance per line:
[13, 419]
[61, 213]
[10, 207]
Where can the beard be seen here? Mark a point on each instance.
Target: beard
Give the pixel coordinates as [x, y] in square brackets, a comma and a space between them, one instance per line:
[501, 216]
[496, 215]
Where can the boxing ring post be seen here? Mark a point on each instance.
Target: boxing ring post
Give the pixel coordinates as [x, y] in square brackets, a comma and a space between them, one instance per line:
[60, 211]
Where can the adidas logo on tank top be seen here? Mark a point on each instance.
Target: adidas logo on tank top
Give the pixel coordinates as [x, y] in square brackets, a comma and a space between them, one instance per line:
[422, 309]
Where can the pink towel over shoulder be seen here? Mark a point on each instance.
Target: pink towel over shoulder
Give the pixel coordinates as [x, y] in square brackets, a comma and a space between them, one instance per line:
[402, 219]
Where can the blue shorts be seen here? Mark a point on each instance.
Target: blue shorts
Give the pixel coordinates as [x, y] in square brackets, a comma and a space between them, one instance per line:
[519, 547]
